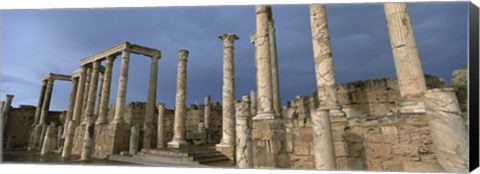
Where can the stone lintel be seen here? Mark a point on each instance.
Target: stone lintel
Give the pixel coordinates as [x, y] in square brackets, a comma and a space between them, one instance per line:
[117, 50]
[57, 77]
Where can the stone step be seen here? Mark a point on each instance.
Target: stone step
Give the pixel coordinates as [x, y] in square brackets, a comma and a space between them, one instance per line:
[164, 152]
[206, 155]
[153, 161]
[167, 159]
[213, 159]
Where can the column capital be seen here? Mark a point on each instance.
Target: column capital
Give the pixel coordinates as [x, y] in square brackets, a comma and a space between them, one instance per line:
[228, 39]
[126, 54]
[110, 58]
[183, 54]
[9, 96]
[157, 55]
[96, 65]
[161, 105]
[262, 9]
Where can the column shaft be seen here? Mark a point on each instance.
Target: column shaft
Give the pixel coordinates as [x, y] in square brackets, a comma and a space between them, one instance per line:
[105, 97]
[244, 151]
[179, 132]
[122, 88]
[46, 101]
[99, 95]
[8, 104]
[206, 118]
[85, 94]
[71, 104]
[89, 130]
[322, 53]
[49, 136]
[77, 110]
[228, 94]
[323, 150]
[38, 110]
[263, 63]
[134, 139]
[150, 110]
[274, 65]
[161, 129]
[411, 80]
[253, 105]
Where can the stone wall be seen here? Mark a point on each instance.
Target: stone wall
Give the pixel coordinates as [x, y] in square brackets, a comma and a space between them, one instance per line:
[371, 137]
[459, 82]
[19, 124]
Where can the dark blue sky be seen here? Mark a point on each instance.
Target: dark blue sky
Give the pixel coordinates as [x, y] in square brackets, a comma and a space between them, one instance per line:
[36, 42]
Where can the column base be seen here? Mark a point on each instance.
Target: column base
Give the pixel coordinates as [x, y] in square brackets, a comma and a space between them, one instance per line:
[412, 107]
[264, 116]
[177, 144]
[226, 149]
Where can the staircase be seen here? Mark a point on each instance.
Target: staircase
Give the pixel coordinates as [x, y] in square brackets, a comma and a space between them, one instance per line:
[195, 156]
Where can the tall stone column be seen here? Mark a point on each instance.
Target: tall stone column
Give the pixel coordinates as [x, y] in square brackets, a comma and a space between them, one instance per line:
[253, 105]
[89, 122]
[263, 62]
[244, 153]
[107, 82]
[8, 104]
[228, 95]
[77, 110]
[122, 88]
[99, 95]
[323, 149]
[448, 131]
[71, 104]
[206, 119]
[46, 102]
[411, 80]
[274, 65]
[322, 53]
[38, 110]
[85, 94]
[152, 95]
[179, 132]
[161, 129]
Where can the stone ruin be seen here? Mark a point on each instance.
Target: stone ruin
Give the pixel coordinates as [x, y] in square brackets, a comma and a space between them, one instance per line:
[409, 123]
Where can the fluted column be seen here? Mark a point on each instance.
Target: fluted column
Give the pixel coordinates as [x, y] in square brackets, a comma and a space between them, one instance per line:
[274, 65]
[448, 130]
[263, 62]
[89, 130]
[179, 132]
[411, 80]
[322, 53]
[244, 151]
[38, 110]
[77, 110]
[46, 102]
[71, 104]
[228, 94]
[107, 82]
[152, 95]
[122, 88]
[161, 129]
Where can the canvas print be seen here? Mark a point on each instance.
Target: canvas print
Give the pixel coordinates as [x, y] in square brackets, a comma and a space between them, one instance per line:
[350, 87]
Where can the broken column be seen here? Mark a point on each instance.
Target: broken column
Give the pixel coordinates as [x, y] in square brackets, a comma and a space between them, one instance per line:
[322, 53]
[448, 131]
[77, 110]
[161, 129]
[244, 153]
[105, 96]
[89, 122]
[227, 143]
[152, 94]
[179, 132]
[411, 80]
[206, 118]
[122, 88]
[134, 139]
[49, 137]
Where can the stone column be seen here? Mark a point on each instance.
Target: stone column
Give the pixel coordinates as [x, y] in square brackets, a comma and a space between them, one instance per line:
[322, 53]
[161, 129]
[253, 105]
[263, 63]
[152, 95]
[7, 106]
[122, 88]
[448, 131]
[179, 132]
[134, 139]
[323, 149]
[107, 82]
[411, 80]
[38, 110]
[46, 102]
[244, 153]
[71, 104]
[228, 94]
[206, 119]
[77, 110]
[89, 122]
[99, 95]
[274, 65]
[49, 136]
[85, 94]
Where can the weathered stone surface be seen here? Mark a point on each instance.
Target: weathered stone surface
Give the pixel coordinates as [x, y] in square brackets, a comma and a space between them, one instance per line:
[150, 108]
[448, 131]
[105, 93]
[180, 100]
[324, 151]
[134, 139]
[244, 153]
[48, 142]
[161, 128]
[122, 88]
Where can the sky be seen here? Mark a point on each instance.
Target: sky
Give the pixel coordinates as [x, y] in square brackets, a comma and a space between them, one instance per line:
[37, 42]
